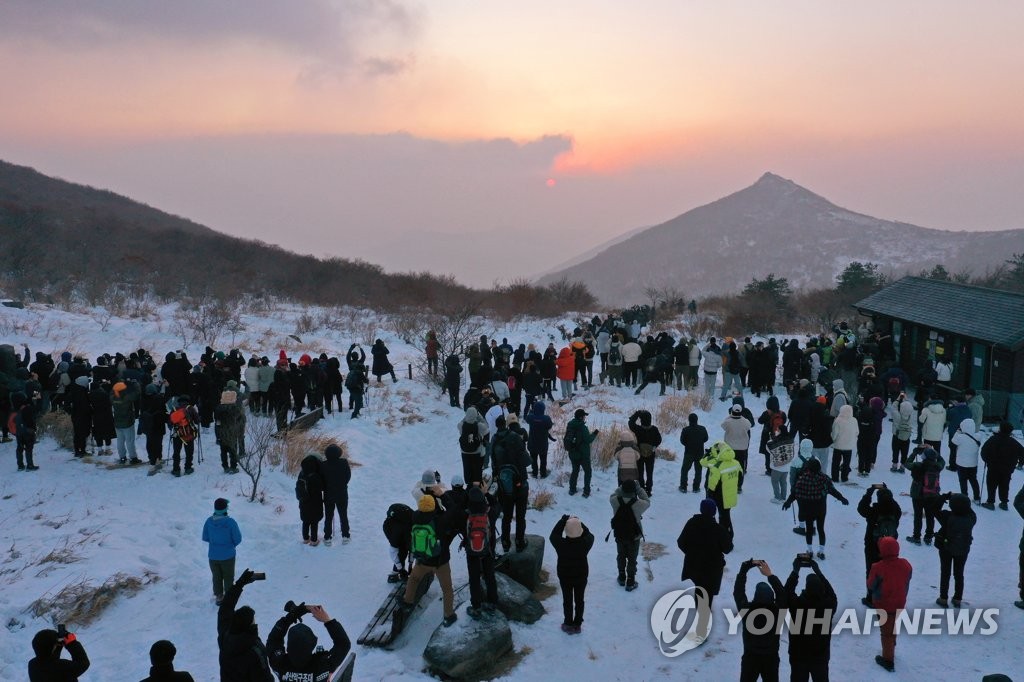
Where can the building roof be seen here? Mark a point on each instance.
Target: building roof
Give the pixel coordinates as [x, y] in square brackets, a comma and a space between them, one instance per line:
[987, 315]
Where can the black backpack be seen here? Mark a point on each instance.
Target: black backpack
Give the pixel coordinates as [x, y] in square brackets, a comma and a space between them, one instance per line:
[571, 439]
[469, 439]
[614, 356]
[624, 523]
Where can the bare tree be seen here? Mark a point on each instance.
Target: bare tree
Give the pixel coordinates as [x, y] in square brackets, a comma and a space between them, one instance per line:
[260, 444]
[207, 320]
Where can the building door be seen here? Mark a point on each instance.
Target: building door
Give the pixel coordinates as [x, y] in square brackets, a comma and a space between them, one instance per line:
[979, 365]
[897, 340]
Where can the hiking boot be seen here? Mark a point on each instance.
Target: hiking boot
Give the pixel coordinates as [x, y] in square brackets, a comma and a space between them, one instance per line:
[189, 471]
[123, 460]
[576, 629]
[135, 460]
[490, 606]
[21, 467]
[1019, 604]
[631, 585]
[943, 602]
[885, 663]
[916, 539]
[328, 542]
[345, 539]
[682, 489]
[902, 469]
[449, 620]
[568, 628]
[977, 500]
[956, 602]
[176, 472]
[234, 470]
[571, 491]
[314, 543]
[695, 487]
[520, 545]
[1003, 506]
[227, 470]
[622, 581]
[894, 468]
[821, 555]
[506, 546]
[544, 473]
[866, 601]
[31, 467]
[989, 505]
[928, 538]
[586, 493]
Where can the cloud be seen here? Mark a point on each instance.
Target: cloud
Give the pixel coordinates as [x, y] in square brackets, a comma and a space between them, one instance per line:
[330, 32]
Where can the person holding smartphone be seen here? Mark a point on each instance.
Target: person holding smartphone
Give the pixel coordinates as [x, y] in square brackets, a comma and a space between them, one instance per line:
[48, 666]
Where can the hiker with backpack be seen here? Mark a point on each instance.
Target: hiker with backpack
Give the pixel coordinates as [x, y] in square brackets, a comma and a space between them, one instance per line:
[968, 445]
[761, 616]
[629, 502]
[704, 543]
[723, 481]
[336, 474]
[431, 555]
[883, 521]
[771, 421]
[229, 427]
[510, 465]
[397, 527]
[1001, 453]
[925, 467]
[473, 431]
[184, 421]
[572, 542]
[901, 412]
[811, 490]
[576, 441]
[648, 438]
[888, 584]
[309, 492]
[356, 382]
[613, 367]
[956, 527]
[481, 515]
[221, 533]
[692, 438]
[539, 425]
[870, 415]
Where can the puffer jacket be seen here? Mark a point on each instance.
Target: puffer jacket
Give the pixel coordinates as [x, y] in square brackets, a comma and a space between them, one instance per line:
[967, 443]
[845, 429]
[724, 474]
[889, 577]
[902, 416]
[933, 421]
[712, 358]
[566, 365]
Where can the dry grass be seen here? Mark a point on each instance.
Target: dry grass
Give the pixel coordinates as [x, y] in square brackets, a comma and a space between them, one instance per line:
[652, 550]
[561, 479]
[603, 448]
[293, 446]
[541, 498]
[57, 425]
[674, 410]
[82, 602]
[665, 454]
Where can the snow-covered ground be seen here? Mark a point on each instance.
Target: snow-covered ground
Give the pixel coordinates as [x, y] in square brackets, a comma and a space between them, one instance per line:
[112, 521]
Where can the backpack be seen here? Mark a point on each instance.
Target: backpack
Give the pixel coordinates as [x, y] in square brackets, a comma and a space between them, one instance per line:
[624, 523]
[398, 524]
[886, 527]
[478, 534]
[894, 384]
[930, 483]
[301, 489]
[184, 429]
[469, 439]
[651, 365]
[571, 439]
[614, 355]
[12, 423]
[511, 383]
[354, 380]
[423, 541]
[508, 479]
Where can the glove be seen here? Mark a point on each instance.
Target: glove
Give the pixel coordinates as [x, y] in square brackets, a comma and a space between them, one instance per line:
[786, 506]
[565, 517]
[846, 503]
[245, 578]
[298, 611]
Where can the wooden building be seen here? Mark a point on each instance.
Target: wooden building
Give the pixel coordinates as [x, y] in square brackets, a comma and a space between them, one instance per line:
[981, 329]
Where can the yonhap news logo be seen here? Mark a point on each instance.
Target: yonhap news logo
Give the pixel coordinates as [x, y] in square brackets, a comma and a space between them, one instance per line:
[681, 620]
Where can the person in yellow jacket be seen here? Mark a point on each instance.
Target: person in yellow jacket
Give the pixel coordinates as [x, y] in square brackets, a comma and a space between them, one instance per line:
[723, 481]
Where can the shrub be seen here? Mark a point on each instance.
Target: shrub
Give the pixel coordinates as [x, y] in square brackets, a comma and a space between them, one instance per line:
[665, 454]
[294, 446]
[541, 498]
[57, 425]
[603, 448]
[674, 410]
[82, 602]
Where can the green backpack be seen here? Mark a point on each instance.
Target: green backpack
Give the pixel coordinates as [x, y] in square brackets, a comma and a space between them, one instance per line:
[424, 543]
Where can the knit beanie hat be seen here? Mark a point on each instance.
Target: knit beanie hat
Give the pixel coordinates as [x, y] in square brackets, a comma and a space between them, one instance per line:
[708, 507]
[573, 527]
[426, 504]
[220, 504]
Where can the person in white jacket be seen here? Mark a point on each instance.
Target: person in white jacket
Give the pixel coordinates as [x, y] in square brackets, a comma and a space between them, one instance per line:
[844, 440]
[736, 430]
[968, 444]
[933, 424]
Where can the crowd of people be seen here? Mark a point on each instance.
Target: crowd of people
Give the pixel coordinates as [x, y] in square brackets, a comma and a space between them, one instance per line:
[841, 388]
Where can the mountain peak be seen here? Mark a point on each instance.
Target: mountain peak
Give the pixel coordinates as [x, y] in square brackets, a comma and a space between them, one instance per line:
[771, 179]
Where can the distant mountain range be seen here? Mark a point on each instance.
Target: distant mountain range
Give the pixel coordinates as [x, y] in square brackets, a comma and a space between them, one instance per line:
[774, 226]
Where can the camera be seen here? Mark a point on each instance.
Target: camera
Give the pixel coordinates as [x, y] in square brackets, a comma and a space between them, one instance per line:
[259, 576]
[290, 606]
[62, 630]
[878, 486]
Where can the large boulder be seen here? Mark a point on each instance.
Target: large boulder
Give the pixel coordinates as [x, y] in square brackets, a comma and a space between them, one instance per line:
[524, 567]
[517, 602]
[470, 648]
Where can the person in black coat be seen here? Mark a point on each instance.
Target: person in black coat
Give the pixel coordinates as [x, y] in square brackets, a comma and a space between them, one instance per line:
[336, 474]
[1001, 453]
[300, 660]
[760, 622]
[800, 410]
[309, 489]
[333, 384]
[648, 438]
[572, 542]
[381, 364]
[103, 431]
[704, 544]
[883, 519]
[810, 648]
[243, 658]
[280, 395]
[479, 565]
[153, 423]
[48, 666]
[452, 378]
[80, 408]
[510, 449]
[161, 659]
[957, 524]
[693, 439]
[297, 385]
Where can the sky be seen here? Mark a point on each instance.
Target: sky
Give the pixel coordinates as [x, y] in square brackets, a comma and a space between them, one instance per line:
[496, 140]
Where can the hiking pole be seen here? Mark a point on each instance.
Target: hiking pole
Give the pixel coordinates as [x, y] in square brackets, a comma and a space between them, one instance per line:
[200, 439]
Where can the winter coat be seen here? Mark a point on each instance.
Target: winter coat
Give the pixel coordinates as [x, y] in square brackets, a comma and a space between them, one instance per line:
[724, 474]
[565, 365]
[167, 673]
[540, 429]
[839, 398]
[902, 415]
[769, 598]
[299, 661]
[510, 449]
[918, 466]
[695, 355]
[820, 426]
[222, 533]
[811, 491]
[957, 525]
[704, 544]
[336, 473]
[977, 407]
[243, 658]
[60, 669]
[955, 414]
[123, 406]
[736, 431]
[312, 508]
[771, 419]
[817, 601]
[968, 444]
[617, 362]
[581, 452]
[473, 417]
[252, 377]
[933, 421]
[631, 352]
[874, 513]
[604, 341]
[381, 364]
[628, 456]
[1002, 452]
[844, 430]
[442, 520]
[693, 438]
[648, 437]
[572, 552]
[102, 414]
[889, 577]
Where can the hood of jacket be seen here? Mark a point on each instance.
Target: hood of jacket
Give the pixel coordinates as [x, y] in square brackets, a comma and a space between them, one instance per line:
[906, 409]
[565, 352]
[935, 407]
[722, 451]
[764, 594]
[310, 464]
[960, 504]
[846, 412]
[888, 548]
[805, 448]
[968, 427]
[301, 643]
[876, 403]
[837, 385]
[772, 404]
[538, 409]
[472, 415]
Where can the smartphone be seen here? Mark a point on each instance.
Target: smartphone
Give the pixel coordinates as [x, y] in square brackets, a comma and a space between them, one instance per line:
[62, 630]
[259, 576]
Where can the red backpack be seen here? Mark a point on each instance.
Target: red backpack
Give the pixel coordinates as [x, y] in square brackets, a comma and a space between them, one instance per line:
[184, 429]
[478, 534]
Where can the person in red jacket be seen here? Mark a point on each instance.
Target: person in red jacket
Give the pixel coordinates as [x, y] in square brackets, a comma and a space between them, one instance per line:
[565, 371]
[888, 584]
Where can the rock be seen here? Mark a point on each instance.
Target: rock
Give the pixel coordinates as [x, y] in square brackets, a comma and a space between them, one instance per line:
[469, 648]
[517, 602]
[524, 567]
[13, 304]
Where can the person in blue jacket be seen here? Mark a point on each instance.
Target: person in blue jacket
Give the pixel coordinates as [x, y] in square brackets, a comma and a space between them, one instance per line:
[223, 535]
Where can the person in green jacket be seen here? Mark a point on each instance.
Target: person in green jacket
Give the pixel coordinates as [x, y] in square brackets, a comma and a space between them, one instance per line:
[124, 403]
[723, 481]
[577, 444]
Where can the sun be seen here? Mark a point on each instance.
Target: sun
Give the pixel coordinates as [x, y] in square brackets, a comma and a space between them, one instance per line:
[550, 182]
